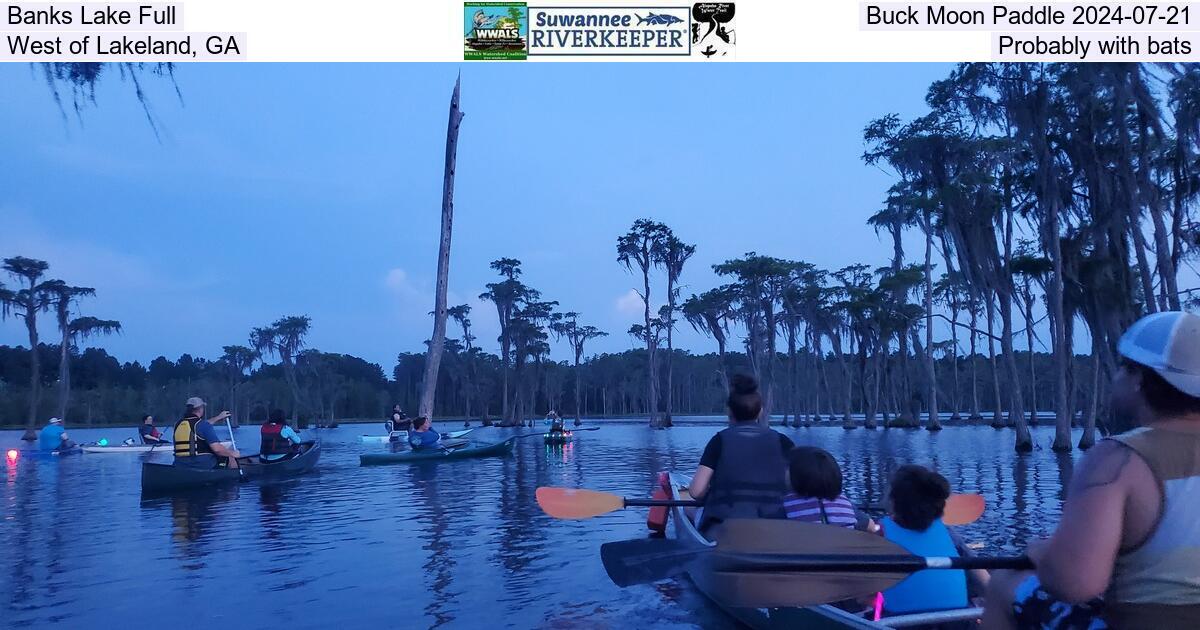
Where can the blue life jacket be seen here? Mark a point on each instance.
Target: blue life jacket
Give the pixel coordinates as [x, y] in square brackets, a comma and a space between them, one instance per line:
[423, 439]
[932, 589]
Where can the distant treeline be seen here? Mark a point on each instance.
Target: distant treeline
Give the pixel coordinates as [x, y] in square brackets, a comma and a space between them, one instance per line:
[337, 386]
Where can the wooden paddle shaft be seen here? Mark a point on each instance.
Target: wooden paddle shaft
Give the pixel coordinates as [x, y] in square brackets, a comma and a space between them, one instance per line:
[833, 563]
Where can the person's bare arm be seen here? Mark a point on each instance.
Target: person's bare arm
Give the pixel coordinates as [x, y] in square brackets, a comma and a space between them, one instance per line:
[1076, 563]
[700, 482]
[223, 451]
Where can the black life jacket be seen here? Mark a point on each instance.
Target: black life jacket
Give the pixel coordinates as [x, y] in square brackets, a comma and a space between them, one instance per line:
[273, 442]
[188, 443]
[749, 480]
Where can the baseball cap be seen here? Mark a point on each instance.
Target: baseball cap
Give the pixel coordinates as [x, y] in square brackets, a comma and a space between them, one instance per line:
[195, 401]
[1169, 344]
[55, 420]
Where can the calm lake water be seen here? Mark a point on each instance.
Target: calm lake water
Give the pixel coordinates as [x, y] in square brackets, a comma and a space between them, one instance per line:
[457, 544]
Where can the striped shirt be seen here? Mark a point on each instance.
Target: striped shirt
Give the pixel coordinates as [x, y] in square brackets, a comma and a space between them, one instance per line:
[838, 512]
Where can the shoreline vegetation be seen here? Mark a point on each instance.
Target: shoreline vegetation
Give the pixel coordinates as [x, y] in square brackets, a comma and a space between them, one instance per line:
[1049, 200]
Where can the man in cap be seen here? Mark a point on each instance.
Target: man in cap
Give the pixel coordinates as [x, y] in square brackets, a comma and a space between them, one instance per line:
[54, 437]
[1126, 553]
[196, 441]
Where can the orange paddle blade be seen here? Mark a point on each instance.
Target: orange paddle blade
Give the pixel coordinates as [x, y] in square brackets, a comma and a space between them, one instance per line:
[963, 509]
[577, 504]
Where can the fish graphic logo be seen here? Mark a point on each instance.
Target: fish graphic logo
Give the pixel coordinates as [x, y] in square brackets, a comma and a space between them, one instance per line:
[657, 19]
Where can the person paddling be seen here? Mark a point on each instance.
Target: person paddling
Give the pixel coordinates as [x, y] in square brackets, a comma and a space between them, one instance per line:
[555, 421]
[53, 437]
[741, 472]
[196, 441]
[423, 437]
[150, 433]
[397, 425]
[278, 438]
[1126, 552]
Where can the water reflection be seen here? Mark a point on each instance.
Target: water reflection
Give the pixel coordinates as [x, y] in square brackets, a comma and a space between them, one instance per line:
[452, 544]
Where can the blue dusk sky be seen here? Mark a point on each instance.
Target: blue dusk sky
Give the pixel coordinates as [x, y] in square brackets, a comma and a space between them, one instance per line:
[279, 189]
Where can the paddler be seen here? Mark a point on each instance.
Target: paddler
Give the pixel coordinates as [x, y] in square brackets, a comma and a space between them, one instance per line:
[278, 438]
[150, 433]
[397, 424]
[196, 441]
[555, 421]
[1126, 552]
[742, 471]
[53, 436]
[422, 435]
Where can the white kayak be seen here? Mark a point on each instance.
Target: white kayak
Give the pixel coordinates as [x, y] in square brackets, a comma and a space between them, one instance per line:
[122, 448]
[384, 439]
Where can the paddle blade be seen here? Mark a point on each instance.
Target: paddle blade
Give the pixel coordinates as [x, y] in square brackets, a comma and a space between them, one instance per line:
[771, 590]
[646, 560]
[779, 536]
[577, 504]
[963, 509]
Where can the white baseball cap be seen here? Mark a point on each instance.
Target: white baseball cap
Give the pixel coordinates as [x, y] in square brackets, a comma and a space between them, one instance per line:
[195, 402]
[1169, 344]
[55, 420]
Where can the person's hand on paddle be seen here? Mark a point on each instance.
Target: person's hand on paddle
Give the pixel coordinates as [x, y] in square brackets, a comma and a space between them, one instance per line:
[224, 415]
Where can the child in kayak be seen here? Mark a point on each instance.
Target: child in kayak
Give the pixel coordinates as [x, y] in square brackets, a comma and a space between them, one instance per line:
[816, 491]
[917, 500]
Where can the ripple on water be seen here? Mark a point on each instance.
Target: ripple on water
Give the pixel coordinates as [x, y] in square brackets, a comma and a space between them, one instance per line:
[452, 545]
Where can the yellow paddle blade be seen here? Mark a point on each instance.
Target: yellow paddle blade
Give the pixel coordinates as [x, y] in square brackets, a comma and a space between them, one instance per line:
[963, 509]
[577, 504]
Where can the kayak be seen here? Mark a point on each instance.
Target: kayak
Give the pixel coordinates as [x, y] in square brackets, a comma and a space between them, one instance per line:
[74, 450]
[166, 477]
[405, 457]
[384, 439]
[813, 617]
[122, 448]
[557, 437]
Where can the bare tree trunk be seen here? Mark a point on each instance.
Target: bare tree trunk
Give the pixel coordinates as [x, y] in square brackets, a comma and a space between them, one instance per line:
[64, 372]
[1088, 439]
[434, 358]
[652, 365]
[997, 414]
[1062, 415]
[933, 423]
[1016, 408]
[975, 415]
[35, 376]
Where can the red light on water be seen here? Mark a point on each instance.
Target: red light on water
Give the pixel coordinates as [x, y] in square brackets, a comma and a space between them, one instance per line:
[13, 454]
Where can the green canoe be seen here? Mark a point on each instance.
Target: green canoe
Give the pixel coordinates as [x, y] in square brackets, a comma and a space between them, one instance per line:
[406, 457]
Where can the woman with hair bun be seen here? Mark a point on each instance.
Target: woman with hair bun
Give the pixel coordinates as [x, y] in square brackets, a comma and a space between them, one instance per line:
[742, 473]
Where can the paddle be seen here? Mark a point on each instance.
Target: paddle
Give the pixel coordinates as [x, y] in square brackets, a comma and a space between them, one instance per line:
[233, 440]
[770, 562]
[579, 504]
[961, 509]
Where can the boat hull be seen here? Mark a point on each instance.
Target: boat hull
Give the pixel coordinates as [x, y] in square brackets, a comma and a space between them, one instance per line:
[121, 448]
[498, 449]
[814, 618]
[167, 477]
